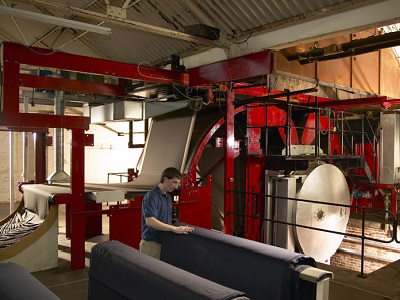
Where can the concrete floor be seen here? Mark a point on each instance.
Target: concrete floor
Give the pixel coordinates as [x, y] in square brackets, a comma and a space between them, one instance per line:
[68, 284]
[62, 281]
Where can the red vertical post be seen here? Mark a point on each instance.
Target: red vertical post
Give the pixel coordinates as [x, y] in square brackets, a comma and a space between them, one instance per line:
[256, 119]
[78, 199]
[10, 101]
[229, 183]
[40, 157]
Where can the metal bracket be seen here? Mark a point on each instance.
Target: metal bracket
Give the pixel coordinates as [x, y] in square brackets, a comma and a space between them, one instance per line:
[115, 11]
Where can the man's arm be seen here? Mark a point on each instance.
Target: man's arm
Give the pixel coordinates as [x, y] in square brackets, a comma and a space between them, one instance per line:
[158, 225]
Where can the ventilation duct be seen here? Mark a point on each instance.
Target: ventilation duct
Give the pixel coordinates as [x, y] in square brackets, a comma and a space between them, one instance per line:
[59, 175]
[132, 110]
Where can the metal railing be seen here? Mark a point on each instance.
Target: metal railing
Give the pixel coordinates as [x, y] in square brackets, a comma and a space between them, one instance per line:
[363, 237]
[338, 124]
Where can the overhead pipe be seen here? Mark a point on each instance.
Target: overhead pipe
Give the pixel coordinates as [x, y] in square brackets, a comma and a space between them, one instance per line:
[27, 170]
[352, 52]
[356, 47]
[59, 175]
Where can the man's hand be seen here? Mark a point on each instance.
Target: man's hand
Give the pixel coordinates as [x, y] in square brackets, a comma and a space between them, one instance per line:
[154, 223]
[182, 229]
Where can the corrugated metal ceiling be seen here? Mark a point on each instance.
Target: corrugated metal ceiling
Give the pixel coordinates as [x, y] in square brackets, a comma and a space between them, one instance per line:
[237, 21]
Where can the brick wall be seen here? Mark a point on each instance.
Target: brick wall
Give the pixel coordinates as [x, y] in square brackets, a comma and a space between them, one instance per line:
[376, 254]
[110, 153]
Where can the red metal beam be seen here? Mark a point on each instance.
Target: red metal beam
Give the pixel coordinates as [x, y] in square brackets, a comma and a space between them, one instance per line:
[346, 104]
[24, 129]
[70, 62]
[67, 85]
[248, 66]
[12, 117]
[13, 55]
[53, 121]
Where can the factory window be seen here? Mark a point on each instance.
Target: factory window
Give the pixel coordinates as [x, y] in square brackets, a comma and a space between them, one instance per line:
[393, 28]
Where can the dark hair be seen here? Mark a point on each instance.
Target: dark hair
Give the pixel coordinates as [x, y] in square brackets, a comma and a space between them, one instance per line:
[170, 173]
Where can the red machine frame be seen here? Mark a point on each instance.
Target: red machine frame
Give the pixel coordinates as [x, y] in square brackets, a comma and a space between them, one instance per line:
[13, 56]
[256, 117]
[195, 201]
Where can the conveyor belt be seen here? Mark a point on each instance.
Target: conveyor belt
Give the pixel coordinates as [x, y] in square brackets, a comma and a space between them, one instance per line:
[166, 146]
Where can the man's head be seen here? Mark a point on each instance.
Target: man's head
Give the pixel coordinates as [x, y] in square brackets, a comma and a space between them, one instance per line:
[170, 179]
[170, 173]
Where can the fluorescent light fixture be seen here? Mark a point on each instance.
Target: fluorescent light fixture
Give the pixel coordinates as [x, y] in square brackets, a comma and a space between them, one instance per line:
[53, 20]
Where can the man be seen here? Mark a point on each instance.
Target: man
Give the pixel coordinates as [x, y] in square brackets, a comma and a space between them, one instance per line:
[157, 213]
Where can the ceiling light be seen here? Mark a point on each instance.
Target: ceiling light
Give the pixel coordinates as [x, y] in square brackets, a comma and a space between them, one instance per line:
[53, 20]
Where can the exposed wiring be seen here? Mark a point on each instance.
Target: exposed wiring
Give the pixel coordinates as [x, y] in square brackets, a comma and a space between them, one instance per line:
[140, 73]
[40, 53]
[245, 41]
[194, 103]
[242, 42]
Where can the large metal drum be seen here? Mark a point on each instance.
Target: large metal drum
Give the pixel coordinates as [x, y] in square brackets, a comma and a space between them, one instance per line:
[325, 183]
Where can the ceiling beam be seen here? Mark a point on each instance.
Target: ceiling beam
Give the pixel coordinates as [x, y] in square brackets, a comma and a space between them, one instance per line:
[17, 26]
[125, 22]
[345, 21]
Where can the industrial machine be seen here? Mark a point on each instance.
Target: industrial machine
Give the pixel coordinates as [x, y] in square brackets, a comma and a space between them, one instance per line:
[259, 163]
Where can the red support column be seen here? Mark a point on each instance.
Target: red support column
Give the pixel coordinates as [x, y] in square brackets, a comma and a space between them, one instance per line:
[78, 199]
[229, 183]
[10, 101]
[40, 157]
[256, 119]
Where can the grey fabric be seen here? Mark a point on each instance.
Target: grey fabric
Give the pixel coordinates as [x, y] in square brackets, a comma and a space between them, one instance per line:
[118, 271]
[261, 271]
[17, 283]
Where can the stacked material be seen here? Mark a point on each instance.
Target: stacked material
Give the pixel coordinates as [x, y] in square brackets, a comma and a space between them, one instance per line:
[17, 227]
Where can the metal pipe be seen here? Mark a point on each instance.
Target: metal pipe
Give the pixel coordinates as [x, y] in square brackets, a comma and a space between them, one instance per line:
[59, 174]
[11, 154]
[355, 47]
[25, 147]
[59, 133]
[351, 52]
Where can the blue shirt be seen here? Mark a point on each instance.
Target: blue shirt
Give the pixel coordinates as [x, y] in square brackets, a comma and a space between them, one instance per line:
[158, 205]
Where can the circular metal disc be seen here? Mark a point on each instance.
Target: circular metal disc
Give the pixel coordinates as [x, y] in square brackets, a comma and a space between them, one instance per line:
[325, 183]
